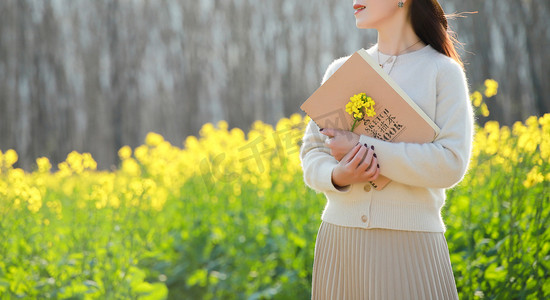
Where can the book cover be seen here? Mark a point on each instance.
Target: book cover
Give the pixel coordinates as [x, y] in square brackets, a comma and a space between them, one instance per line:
[397, 119]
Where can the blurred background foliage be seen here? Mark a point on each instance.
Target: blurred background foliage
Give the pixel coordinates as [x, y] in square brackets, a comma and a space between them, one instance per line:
[94, 76]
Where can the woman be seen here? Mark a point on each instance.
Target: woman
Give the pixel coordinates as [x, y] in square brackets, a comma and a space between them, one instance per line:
[390, 244]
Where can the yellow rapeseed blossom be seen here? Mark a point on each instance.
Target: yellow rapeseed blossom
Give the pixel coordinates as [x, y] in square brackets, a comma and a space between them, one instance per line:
[533, 177]
[359, 106]
[153, 139]
[131, 167]
[125, 152]
[141, 153]
[99, 196]
[77, 163]
[88, 162]
[222, 125]
[10, 158]
[295, 119]
[114, 201]
[34, 199]
[544, 122]
[43, 164]
[492, 128]
[530, 136]
[63, 169]
[74, 160]
[476, 98]
[491, 88]
[158, 198]
[484, 110]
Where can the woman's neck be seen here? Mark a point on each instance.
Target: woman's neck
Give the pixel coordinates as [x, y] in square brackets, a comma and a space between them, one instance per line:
[398, 38]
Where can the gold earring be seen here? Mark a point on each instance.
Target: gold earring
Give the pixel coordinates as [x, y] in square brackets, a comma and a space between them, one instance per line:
[400, 4]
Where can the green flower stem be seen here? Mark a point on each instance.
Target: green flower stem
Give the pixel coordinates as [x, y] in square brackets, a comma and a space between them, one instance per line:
[354, 124]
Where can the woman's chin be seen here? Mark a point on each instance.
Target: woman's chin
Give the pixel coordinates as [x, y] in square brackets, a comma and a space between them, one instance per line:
[362, 25]
[363, 22]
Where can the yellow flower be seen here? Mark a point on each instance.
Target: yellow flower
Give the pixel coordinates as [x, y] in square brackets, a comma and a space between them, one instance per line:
[141, 153]
[491, 88]
[476, 98]
[75, 162]
[359, 106]
[88, 162]
[124, 152]
[131, 167]
[34, 199]
[492, 129]
[63, 169]
[153, 139]
[10, 157]
[484, 110]
[533, 177]
[544, 122]
[43, 164]
[114, 201]
[223, 125]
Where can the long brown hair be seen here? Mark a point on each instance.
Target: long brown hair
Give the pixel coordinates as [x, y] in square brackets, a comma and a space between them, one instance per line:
[429, 23]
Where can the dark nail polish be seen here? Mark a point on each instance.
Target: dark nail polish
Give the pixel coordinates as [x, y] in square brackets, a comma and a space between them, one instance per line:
[372, 147]
[377, 165]
[374, 154]
[321, 129]
[366, 145]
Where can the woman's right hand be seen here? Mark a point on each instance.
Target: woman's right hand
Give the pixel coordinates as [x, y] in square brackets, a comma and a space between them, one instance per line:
[358, 165]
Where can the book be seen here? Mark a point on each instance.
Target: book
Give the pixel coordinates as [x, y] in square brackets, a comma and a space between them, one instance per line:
[398, 118]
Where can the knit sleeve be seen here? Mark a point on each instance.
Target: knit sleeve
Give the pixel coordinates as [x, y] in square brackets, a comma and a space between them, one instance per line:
[443, 162]
[317, 162]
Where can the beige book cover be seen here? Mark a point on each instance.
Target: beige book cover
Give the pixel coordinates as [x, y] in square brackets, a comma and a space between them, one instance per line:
[397, 119]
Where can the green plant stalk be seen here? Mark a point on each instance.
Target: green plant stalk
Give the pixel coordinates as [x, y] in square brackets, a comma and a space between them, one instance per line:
[471, 242]
[538, 231]
[354, 124]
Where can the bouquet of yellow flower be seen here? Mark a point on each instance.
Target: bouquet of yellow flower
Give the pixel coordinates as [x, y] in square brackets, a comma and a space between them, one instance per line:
[358, 107]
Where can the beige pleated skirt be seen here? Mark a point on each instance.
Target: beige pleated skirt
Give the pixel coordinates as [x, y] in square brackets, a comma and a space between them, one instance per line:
[378, 264]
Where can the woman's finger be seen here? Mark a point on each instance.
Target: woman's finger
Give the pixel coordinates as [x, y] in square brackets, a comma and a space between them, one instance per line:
[350, 155]
[366, 163]
[358, 157]
[373, 168]
[330, 132]
[373, 176]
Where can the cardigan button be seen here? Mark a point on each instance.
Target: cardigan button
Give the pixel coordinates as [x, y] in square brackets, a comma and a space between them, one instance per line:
[367, 187]
[364, 218]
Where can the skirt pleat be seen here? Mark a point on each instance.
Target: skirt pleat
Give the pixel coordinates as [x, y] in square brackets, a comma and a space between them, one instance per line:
[378, 264]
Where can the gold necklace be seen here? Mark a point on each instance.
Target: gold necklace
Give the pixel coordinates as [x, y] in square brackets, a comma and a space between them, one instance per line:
[398, 53]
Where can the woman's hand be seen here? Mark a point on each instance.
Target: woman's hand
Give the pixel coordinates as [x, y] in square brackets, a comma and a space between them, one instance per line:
[358, 165]
[340, 142]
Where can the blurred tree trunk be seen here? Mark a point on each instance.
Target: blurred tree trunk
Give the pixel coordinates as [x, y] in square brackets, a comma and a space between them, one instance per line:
[93, 76]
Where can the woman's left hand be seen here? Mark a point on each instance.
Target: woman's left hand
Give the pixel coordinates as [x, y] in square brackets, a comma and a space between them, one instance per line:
[340, 142]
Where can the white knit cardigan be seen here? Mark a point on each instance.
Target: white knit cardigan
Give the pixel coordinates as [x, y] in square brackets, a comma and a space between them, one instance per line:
[420, 173]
